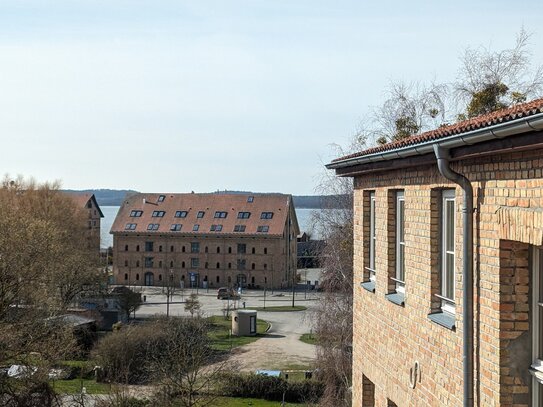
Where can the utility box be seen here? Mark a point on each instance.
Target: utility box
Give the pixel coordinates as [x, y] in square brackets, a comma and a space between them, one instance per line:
[244, 323]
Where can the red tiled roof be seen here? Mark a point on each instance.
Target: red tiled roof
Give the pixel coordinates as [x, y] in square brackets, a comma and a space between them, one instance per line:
[80, 199]
[476, 123]
[232, 204]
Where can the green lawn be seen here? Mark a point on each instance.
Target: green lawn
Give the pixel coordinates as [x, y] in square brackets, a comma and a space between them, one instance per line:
[220, 333]
[280, 308]
[75, 385]
[309, 338]
[242, 402]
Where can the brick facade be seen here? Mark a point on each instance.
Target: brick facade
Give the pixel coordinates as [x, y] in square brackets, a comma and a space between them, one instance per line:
[389, 339]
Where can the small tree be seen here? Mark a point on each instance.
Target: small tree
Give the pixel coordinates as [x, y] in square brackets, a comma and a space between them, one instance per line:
[192, 305]
[128, 300]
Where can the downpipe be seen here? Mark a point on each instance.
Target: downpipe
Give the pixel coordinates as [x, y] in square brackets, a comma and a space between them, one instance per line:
[443, 165]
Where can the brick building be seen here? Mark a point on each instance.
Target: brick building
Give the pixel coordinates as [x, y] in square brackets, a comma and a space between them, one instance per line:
[448, 263]
[88, 203]
[205, 240]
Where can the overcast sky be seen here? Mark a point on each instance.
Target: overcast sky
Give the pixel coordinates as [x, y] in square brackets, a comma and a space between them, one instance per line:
[204, 95]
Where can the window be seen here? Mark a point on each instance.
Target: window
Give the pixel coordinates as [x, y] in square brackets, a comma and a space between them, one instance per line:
[200, 214]
[160, 248]
[218, 266]
[195, 228]
[218, 279]
[137, 276]
[262, 229]
[242, 248]
[126, 263]
[137, 263]
[218, 249]
[171, 249]
[265, 266]
[447, 251]
[183, 265]
[229, 250]
[250, 199]
[180, 214]
[176, 227]
[221, 215]
[149, 262]
[183, 249]
[160, 264]
[153, 226]
[158, 214]
[161, 198]
[215, 228]
[138, 248]
[253, 266]
[136, 214]
[239, 228]
[373, 238]
[125, 276]
[125, 247]
[244, 215]
[130, 226]
[194, 262]
[400, 242]
[195, 247]
[206, 265]
[253, 250]
[265, 250]
[89, 204]
[171, 264]
[241, 264]
[149, 246]
[229, 266]
[266, 215]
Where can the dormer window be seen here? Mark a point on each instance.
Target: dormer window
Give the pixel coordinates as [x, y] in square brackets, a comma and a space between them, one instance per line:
[158, 214]
[266, 215]
[262, 229]
[215, 228]
[200, 214]
[244, 215]
[221, 214]
[130, 226]
[175, 227]
[153, 226]
[180, 214]
[161, 198]
[250, 199]
[239, 228]
[136, 214]
[195, 228]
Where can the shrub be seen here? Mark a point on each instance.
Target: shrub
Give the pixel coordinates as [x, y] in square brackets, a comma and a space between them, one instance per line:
[269, 388]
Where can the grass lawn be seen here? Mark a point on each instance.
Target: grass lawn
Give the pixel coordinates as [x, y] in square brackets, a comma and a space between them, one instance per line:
[280, 308]
[242, 402]
[309, 338]
[75, 385]
[220, 333]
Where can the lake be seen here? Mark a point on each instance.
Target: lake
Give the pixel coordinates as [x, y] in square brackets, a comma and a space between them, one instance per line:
[106, 239]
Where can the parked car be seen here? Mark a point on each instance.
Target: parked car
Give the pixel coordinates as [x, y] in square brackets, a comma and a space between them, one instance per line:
[225, 293]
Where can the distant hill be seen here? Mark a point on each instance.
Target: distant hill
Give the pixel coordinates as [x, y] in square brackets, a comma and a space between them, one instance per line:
[106, 197]
[114, 197]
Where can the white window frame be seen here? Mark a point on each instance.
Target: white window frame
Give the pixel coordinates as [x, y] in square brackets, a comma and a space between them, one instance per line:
[447, 304]
[400, 244]
[373, 238]
[536, 369]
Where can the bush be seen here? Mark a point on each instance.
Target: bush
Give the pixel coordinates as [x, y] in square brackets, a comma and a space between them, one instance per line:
[269, 388]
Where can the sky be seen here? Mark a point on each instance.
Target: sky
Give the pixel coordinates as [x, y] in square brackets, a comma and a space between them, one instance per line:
[180, 96]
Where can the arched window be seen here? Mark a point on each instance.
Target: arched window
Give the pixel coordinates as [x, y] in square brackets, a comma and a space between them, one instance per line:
[171, 264]
[218, 249]
[137, 277]
[160, 277]
[160, 264]
[229, 250]
[126, 263]
[218, 279]
[171, 248]
[137, 263]
[253, 266]
[160, 248]
[229, 265]
[138, 248]
[183, 265]
[183, 277]
[252, 280]
[265, 266]
[125, 276]
[218, 265]
[265, 250]
[125, 247]
[183, 249]
[206, 250]
[253, 251]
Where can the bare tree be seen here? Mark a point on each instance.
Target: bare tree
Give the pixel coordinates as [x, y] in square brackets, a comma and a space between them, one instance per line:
[192, 305]
[490, 80]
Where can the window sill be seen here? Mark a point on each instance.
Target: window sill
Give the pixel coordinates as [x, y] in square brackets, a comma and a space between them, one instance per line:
[396, 298]
[444, 319]
[369, 286]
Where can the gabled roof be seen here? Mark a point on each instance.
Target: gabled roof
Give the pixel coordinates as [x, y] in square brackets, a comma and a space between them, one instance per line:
[477, 123]
[81, 200]
[192, 203]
